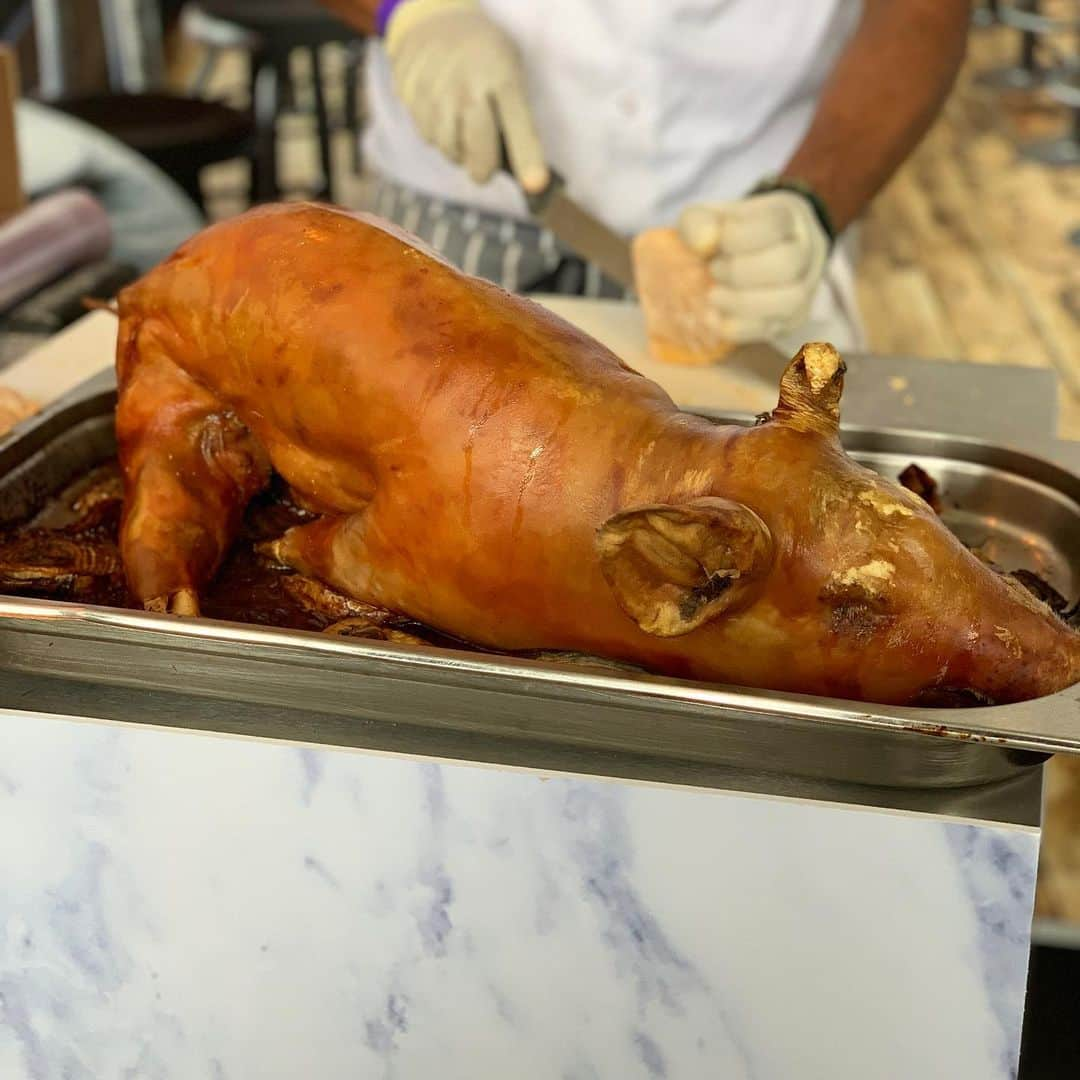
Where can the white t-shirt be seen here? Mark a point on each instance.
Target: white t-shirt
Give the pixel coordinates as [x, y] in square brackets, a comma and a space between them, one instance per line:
[644, 106]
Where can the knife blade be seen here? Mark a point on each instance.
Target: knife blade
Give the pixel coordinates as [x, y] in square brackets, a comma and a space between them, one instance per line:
[581, 231]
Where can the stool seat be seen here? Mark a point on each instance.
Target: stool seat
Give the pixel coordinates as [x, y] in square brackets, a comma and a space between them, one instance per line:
[155, 123]
[277, 28]
[178, 134]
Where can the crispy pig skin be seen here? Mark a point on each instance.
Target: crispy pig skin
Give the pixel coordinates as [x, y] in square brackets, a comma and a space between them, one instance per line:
[487, 469]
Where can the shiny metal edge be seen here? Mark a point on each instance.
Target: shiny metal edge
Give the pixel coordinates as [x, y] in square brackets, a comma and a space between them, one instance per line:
[491, 696]
[823, 740]
[1015, 801]
[858, 438]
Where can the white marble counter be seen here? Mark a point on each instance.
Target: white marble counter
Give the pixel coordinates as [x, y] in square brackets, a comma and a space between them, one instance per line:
[183, 906]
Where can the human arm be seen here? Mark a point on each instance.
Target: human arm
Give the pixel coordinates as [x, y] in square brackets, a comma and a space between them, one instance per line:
[767, 252]
[460, 78]
[882, 96]
[359, 14]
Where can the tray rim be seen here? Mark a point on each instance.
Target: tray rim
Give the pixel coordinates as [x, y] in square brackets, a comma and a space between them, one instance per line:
[1044, 726]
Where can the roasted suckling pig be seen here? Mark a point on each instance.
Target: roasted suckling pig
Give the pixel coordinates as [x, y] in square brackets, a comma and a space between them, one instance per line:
[477, 464]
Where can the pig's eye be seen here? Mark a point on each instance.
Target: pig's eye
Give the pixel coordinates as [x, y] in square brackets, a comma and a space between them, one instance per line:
[859, 599]
[858, 619]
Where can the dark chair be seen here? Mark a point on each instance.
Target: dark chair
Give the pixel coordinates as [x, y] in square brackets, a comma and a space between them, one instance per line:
[271, 30]
[179, 134]
[16, 18]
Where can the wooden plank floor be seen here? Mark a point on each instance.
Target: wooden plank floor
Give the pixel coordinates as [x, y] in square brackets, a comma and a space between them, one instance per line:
[965, 254]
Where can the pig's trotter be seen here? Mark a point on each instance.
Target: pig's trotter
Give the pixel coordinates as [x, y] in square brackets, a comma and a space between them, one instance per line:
[181, 602]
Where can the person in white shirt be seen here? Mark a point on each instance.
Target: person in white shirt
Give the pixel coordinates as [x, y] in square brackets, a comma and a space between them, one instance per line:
[761, 129]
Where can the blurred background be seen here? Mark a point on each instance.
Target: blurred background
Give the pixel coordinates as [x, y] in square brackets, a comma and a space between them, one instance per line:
[970, 254]
[174, 113]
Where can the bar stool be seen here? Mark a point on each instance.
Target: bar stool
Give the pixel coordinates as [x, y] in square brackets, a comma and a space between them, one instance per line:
[1025, 16]
[181, 135]
[178, 134]
[985, 14]
[216, 36]
[1063, 85]
[275, 28]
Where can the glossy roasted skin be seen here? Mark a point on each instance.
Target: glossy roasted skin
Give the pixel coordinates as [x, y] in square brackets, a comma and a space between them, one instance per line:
[487, 469]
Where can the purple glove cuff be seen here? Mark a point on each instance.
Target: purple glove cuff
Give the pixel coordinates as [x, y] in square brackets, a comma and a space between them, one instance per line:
[382, 15]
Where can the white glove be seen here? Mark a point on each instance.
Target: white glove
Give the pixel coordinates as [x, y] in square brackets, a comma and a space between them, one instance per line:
[461, 79]
[766, 255]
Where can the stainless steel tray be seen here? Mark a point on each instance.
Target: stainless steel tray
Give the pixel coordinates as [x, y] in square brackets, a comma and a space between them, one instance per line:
[304, 686]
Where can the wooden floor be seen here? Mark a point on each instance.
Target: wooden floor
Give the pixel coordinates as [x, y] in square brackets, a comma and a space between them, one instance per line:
[965, 256]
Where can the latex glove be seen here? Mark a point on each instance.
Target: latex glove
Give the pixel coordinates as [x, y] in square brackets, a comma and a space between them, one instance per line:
[766, 255]
[461, 79]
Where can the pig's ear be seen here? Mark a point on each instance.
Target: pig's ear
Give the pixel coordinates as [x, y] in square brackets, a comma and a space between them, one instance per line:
[673, 568]
[811, 388]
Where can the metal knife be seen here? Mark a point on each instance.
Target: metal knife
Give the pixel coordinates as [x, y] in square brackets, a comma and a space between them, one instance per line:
[579, 230]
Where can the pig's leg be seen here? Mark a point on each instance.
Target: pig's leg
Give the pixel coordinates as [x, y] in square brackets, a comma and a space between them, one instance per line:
[333, 550]
[190, 469]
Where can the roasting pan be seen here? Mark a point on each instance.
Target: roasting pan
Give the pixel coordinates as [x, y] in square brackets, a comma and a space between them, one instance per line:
[80, 660]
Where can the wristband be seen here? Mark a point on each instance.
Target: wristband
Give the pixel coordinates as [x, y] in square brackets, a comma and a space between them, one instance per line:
[383, 13]
[788, 183]
[395, 18]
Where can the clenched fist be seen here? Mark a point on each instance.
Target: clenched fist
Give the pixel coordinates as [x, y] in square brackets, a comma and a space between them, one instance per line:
[765, 255]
